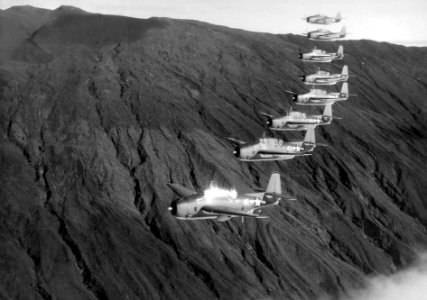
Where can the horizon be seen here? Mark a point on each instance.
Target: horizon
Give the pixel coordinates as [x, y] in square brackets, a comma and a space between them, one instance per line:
[393, 23]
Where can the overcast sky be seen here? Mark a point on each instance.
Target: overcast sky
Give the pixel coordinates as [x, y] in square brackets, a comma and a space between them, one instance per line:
[381, 20]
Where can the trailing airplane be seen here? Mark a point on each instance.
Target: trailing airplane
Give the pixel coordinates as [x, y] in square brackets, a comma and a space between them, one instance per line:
[222, 204]
[323, 19]
[295, 120]
[317, 55]
[272, 149]
[326, 35]
[325, 78]
[321, 97]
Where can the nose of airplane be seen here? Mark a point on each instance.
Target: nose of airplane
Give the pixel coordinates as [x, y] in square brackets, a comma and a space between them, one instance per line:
[173, 207]
[236, 151]
[300, 55]
[303, 78]
[295, 97]
[269, 122]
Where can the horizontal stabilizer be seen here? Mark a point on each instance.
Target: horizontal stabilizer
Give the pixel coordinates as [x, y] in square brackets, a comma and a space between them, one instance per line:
[214, 211]
[181, 191]
[315, 144]
[282, 196]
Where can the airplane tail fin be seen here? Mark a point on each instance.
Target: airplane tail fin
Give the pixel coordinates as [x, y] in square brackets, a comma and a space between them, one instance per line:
[327, 112]
[310, 137]
[338, 17]
[340, 52]
[274, 185]
[273, 193]
[345, 71]
[343, 31]
[344, 88]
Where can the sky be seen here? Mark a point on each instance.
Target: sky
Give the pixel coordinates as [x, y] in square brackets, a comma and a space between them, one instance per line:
[398, 21]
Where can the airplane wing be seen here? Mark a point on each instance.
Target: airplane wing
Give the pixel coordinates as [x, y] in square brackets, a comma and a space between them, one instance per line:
[324, 35]
[236, 141]
[278, 152]
[182, 191]
[266, 114]
[213, 211]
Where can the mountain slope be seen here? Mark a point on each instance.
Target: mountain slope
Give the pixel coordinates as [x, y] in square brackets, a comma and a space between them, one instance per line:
[99, 113]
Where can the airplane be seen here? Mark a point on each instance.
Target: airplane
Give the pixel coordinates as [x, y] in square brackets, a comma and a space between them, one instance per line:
[317, 55]
[326, 35]
[320, 97]
[272, 149]
[325, 78]
[295, 120]
[222, 204]
[323, 19]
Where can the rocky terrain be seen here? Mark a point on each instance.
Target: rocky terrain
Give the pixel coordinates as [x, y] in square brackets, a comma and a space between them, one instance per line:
[99, 113]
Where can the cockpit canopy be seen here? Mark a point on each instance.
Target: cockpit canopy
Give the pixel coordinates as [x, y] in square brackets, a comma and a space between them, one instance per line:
[215, 192]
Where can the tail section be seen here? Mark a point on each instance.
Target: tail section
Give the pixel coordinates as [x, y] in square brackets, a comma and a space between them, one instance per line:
[327, 112]
[273, 193]
[340, 52]
[345, 71]
[310, 136]
[344, 89]
[274, 185]
[338, 17]
[343, 31]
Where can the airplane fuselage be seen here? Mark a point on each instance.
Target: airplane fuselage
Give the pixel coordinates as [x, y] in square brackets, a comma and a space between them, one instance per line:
[324, 79]
[327, 37]
[319, 97]
[323, 20]
[298, 121]
[270, 149]
[318, 55]
[204, 206]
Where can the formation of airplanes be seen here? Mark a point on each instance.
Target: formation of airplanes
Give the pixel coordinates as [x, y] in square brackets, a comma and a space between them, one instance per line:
[222, 204]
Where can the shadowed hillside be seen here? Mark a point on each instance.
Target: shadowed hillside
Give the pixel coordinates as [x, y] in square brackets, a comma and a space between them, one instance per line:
[99, 113]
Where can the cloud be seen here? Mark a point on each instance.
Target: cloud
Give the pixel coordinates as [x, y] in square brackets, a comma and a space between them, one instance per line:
[406, 284]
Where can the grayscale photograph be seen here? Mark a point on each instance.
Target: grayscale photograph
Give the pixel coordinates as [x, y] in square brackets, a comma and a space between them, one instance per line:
[247, 149]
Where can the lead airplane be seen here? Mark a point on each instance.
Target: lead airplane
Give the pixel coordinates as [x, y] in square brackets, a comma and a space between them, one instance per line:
[325, 78]
[222, 204]
[326, 35]
[273, 149]
[321, 56]
[295, 120]
[323, 19]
